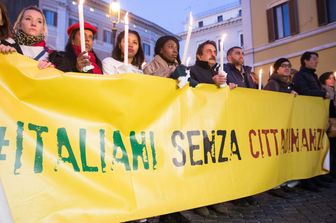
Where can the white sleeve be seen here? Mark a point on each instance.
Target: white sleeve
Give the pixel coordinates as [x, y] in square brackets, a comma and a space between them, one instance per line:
[109, 67]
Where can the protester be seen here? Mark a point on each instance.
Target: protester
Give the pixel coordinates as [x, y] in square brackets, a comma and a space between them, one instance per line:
[5, 31]
[280, 79]
[73, 59]
[306, 81]
[327, 80]
[237, 72]
[206, 69]
[115, 64]
[166, 57]
[30, 32]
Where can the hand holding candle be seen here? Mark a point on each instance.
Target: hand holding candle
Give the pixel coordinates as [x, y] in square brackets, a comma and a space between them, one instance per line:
[81, 31]
[186, 45]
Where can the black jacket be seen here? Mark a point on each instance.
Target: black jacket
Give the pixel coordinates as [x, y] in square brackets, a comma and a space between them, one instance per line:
[66, 61]
[241, 78]
[306, 83]
[278, 83]
[202, 72]
[14, 45]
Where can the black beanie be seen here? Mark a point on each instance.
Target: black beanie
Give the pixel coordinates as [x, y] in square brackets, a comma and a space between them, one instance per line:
[162, 40]
[278, 63]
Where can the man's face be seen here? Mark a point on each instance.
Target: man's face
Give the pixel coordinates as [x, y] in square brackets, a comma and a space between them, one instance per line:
[209, 54]
[284, 69]
[236, 57]
[169, 51]
[88, 39]
[312, 62]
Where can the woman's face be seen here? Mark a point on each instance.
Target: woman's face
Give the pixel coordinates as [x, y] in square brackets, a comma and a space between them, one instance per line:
[133, 45]
[169, 51]
[32, 23]
[330, 81]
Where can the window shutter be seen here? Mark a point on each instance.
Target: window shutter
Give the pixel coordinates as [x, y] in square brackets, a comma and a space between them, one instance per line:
[322, 12]
[293, 16]
[270, 25]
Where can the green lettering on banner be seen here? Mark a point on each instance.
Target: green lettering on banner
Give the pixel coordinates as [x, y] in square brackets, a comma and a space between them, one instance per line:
[118, 143]
[3, 142]
[19, 147]
[63, 140]
[102, 149]
[38, 163]
[151, 135]
[139, 150]
[82, 148]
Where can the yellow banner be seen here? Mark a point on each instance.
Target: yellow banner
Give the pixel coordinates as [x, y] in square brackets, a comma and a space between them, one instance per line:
[91, 148]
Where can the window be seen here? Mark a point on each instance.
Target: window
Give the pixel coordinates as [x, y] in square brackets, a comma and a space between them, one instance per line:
[326, 11]
[200, 24]
[220, 18]
[51, 17]
[107, 36]
[282, 20]
[72, 21]
[241, 40]
[146, 49]
[239, 13]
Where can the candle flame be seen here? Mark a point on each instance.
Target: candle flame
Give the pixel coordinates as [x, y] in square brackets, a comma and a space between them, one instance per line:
[115, 6]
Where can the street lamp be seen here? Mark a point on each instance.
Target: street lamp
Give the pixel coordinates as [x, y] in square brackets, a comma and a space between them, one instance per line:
[115, 17]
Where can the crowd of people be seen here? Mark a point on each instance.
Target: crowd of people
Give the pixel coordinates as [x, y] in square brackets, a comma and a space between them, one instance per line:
[28, 37]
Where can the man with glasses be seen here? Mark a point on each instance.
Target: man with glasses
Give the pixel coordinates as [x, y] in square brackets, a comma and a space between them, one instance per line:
[280, 78]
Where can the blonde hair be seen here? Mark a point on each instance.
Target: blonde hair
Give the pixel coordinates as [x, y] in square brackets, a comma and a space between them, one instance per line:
[17, 23]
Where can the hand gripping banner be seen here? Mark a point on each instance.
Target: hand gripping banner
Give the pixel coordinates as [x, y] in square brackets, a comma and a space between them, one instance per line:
[93, 148]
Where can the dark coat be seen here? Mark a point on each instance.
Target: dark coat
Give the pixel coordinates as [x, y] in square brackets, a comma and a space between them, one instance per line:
[202, 72]
[66, 60]
[278, 83]
[14, 45]
[241, 78]
[306, 83]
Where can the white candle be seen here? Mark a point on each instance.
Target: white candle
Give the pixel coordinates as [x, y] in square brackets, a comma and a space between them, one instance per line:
[335, 74]
[260, 79]
[81, 24]
[221, 61]
[186, 45]
[126, 40]
[271, 70]
[188, 61]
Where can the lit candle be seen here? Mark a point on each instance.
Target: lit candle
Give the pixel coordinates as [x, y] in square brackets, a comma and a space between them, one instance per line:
[271, 70]
[81, 24]
[335, 74]
[186, 45]
[126, 40]
[260, 79]
[221, 58]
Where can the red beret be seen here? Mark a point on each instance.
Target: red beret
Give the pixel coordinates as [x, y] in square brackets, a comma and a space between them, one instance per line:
[86, 26]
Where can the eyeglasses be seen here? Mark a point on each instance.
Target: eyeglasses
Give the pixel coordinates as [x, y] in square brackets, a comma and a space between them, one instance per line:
[286, 65]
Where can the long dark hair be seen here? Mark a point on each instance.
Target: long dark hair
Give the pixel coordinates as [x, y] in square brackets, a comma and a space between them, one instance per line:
[139, 57]
[5, 30]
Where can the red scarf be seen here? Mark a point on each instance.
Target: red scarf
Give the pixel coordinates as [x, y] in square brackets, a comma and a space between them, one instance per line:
[96, 69]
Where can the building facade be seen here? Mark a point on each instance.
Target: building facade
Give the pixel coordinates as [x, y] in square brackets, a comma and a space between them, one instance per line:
[60, 14]
[212, 24]
[288, 28]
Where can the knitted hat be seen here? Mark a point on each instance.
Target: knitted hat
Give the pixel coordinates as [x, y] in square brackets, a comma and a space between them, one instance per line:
[278, 63]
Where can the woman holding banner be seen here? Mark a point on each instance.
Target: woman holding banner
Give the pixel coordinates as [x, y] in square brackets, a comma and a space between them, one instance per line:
[30, 32]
